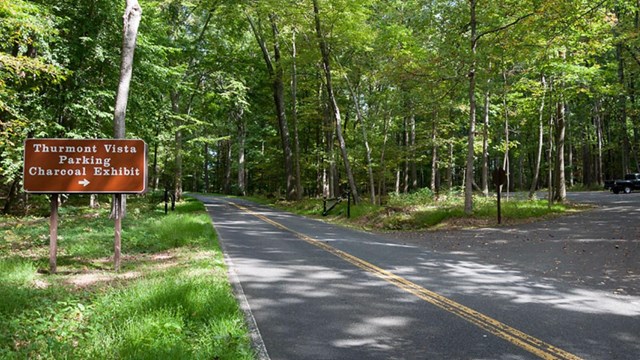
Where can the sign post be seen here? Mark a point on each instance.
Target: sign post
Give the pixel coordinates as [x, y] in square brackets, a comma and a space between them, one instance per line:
[53, 234]
[86, 166]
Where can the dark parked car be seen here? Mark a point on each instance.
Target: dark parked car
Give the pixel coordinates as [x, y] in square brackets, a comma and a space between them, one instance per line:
[631, 182]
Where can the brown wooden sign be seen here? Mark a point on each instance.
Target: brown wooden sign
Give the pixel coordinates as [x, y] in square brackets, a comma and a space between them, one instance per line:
[85, 166]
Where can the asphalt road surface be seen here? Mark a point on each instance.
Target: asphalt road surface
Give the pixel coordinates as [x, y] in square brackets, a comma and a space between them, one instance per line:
[567, 288]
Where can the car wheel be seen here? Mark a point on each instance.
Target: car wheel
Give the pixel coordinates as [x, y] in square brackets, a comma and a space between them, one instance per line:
[627, 189]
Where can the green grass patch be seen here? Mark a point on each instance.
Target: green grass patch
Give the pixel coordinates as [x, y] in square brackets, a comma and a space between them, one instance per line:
[425, 210]
[171, 299]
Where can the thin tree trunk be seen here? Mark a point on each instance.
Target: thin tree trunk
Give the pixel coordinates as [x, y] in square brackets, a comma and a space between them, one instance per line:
[434, 155]
[278, 84]
[132, 17]
[242, 135]
[569, 145]
[177, 178]
[622, 99]
[205, 168]
[363, 125]
[550, 152]
[485, 144]
[468, 191]
[407, 155]
[294, 117]
[382, 184]
[534, 182]
[561, 188]
[598, 124]
[506, 164]
[324, 49]
[587, 179]
[412, 152]
[276, 73]
[226, 181]
[451, 170]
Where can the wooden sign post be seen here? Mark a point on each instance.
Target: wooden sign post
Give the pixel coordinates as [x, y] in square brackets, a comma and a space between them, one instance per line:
[86, 166]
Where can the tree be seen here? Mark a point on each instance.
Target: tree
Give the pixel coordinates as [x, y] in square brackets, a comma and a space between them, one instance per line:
[132, 17]
[333, 104]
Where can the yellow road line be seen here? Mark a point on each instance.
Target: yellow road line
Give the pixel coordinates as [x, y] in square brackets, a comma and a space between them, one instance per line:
[493, 326]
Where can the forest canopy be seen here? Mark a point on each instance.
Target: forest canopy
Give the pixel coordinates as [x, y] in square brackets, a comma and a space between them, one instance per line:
[318, 97]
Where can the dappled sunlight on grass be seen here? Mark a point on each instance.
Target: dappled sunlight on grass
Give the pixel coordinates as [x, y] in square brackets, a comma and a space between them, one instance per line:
[170, 300]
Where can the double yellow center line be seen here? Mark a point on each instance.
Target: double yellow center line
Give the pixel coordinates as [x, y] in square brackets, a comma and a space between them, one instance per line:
[493, 326]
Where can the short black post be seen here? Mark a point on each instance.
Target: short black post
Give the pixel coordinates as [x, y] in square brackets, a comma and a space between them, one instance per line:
[166, 201]
[324, 206]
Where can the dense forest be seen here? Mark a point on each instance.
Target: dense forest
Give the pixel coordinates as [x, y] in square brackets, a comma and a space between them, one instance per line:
[314, 98]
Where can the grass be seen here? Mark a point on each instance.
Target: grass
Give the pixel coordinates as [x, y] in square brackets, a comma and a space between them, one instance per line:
[171, 300]
[423, 210]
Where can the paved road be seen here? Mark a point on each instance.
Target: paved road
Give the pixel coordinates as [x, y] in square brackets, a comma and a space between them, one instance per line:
[566, 288]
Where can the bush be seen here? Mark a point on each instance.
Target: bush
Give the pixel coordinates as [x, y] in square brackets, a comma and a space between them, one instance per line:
[423, 196]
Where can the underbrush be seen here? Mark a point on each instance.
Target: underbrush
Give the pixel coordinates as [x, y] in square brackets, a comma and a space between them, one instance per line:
[425, 210]
[170, 300]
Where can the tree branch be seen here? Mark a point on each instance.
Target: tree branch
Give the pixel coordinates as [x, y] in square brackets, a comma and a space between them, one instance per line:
[504, 27]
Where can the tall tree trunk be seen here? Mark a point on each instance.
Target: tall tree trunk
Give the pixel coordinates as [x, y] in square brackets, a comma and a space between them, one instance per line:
[324, 49]
[587, 179]
[550, 150]
[407, 155]
[569, 145]
[132, 17]
[205, 168]
[277, 75]
[468, 190]
[450, 167]
[278, 85]
[434, 155]
[294, 117]
[597, 118]
[363, 125]
[382, 183]
[331, 171]
[412, 152]
[560, 185]
[506, 164]
[242, 135]
[622, 99]
[226, 180]
[485, 144]
[177, 179]
[536, 175]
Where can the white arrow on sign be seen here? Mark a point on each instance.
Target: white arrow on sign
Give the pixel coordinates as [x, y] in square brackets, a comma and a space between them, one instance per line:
[84, 182]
